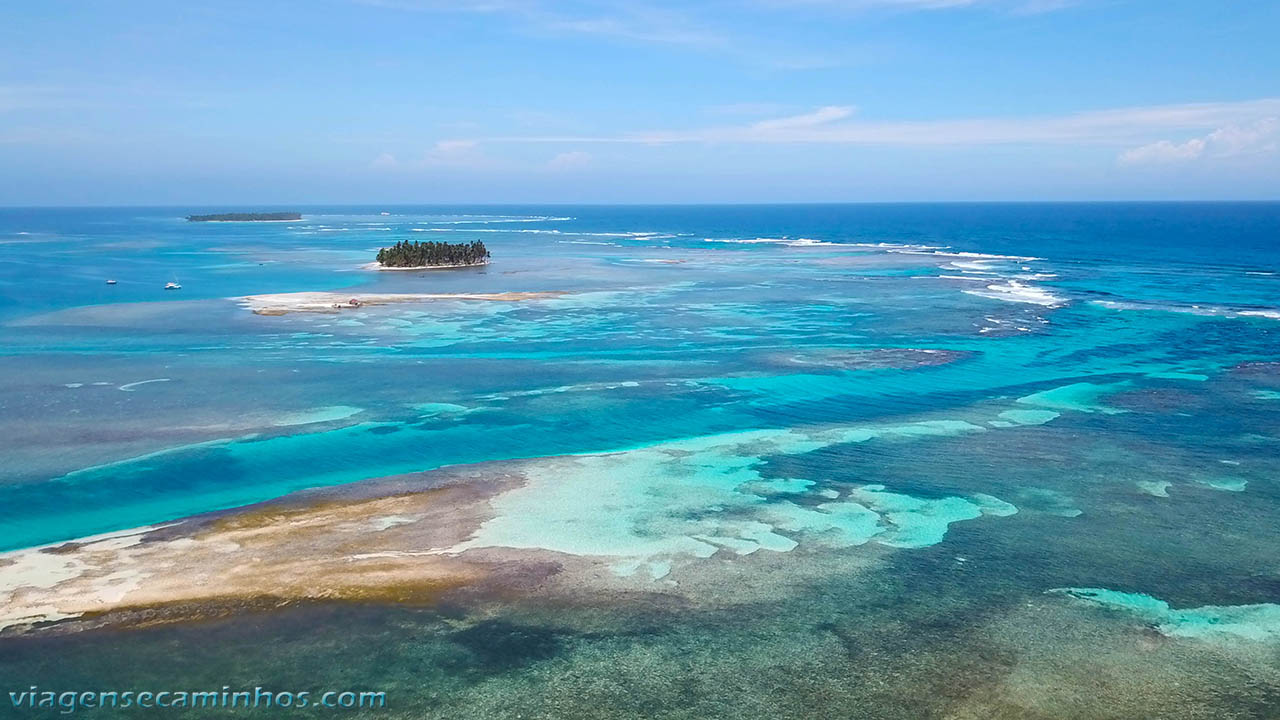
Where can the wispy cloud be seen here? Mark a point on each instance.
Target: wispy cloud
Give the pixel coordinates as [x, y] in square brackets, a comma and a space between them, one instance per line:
[384, 161]
[454, 153]
[1015, 6]
[1261, 137]
[747, 109]
[832, 125]
[573, 160]
[821, 116]
[632, 21]
[629, 29]
[701, 27]
[445, 153]
[454, 147]
[479, 6]
[869, 4]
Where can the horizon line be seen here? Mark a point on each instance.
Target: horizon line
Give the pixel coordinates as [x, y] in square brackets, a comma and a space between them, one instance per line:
[563, 203]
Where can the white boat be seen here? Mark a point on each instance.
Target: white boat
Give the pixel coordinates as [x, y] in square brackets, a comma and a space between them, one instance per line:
[172, 286]
[111, 282]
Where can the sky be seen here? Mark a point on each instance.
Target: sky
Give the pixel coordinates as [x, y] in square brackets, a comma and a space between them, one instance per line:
[145, 102]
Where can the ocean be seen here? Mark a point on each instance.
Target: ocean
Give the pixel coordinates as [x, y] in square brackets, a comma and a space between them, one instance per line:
[900, 460]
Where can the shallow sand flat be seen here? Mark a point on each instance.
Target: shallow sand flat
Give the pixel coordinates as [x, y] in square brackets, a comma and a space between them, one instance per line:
[284, 303]
[634, 520]
[660, 519]
[323, 547]
[395, 540]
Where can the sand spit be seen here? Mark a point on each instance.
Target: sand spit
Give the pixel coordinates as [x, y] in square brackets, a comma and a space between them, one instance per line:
[298, 549]
[330, 302]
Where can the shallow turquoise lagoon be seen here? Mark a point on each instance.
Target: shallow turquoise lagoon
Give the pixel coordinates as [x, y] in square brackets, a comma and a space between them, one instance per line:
[957, 451]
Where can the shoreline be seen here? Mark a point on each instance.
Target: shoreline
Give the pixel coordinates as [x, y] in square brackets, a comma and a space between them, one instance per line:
[335, 301]
[375, 265]
[365, 542]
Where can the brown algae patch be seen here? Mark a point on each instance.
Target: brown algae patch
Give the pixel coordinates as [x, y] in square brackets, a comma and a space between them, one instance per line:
[370, 550]
[1076, 659]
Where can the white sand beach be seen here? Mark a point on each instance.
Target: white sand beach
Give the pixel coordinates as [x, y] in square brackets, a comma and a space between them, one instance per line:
[329, 302]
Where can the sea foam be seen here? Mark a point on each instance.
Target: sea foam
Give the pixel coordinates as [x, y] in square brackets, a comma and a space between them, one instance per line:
[1226, 311]
[1015, 291]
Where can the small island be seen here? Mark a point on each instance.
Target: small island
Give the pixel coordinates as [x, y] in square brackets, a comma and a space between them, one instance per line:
[406, 255]
[246, 217]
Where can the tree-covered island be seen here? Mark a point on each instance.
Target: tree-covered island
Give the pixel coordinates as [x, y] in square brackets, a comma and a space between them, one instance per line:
[433, 254]
[246, 217]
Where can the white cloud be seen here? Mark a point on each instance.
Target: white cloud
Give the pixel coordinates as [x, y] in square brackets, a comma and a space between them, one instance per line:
[1034, 7]
[746, 108]
[1262, 136]
[454, 147]
[1015, 6]
[639, 28]
[1163, 151]
[708, 27]
[385, 161]
[573, 160]
[633, 21]
[453, 152]
[821, 116]
[477, 6]
[863, 4]
[831, 125]
[1259, 137]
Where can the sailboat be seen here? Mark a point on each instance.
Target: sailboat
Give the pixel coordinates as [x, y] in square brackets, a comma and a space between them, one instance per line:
[172, 285]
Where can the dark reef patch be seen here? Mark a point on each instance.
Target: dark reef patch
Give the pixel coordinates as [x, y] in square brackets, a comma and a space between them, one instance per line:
[502, 645]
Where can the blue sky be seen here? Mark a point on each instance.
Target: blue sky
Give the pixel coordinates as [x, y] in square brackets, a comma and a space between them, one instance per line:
[425, 101]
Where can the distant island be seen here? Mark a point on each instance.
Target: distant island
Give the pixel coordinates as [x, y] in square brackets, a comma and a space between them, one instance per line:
[406, 255]
[246, 217]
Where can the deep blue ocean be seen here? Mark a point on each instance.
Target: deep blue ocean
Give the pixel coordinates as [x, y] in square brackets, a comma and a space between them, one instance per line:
[1119, 361]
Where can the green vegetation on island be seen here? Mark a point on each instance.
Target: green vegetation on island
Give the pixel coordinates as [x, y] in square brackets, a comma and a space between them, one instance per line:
[433, 254]
[246, 217]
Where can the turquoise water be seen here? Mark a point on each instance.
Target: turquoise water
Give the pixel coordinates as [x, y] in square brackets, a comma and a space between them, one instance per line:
[922, 416]
[640, 350]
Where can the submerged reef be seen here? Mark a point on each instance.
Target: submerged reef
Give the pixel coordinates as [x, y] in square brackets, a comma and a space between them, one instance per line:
[1252, 622]
[246, 217]
[646, 512]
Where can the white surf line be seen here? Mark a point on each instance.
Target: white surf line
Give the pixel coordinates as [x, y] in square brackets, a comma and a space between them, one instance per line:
[128, 387]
